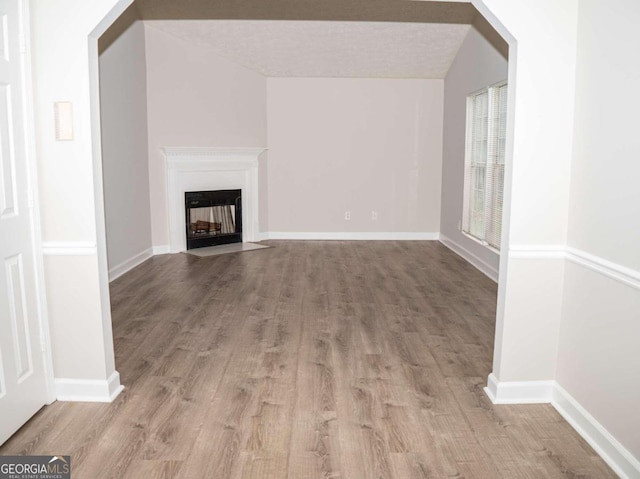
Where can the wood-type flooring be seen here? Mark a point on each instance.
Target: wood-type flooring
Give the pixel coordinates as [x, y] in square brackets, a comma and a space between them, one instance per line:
[352, 360]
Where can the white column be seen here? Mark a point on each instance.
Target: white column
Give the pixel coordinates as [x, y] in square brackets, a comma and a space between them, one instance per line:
[65, 60]
[542, 57]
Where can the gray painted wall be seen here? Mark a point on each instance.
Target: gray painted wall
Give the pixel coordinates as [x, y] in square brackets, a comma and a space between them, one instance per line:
[357, 145]
[478, 64]
[123, 110]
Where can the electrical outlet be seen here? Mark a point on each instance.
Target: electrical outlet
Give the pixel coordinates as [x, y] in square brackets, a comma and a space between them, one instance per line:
[347, 215]
[374, 215]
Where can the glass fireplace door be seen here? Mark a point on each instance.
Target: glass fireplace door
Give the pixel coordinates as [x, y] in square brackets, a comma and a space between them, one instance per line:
[213, 217]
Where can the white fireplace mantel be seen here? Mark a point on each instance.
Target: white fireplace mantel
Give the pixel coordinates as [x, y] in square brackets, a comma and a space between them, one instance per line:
[204, 169]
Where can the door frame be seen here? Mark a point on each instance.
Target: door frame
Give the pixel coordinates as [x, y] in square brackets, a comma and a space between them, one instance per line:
[36, 225]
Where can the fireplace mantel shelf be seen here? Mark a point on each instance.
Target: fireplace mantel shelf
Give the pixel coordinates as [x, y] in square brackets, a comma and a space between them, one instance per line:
[179, 152]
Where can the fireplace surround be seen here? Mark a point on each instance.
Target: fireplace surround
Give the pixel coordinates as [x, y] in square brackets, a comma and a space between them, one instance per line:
[209, 169]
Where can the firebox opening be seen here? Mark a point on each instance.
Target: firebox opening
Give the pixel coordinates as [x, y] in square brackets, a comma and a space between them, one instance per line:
[213, 217]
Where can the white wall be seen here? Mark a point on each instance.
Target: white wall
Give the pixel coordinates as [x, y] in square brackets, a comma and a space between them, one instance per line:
[541, 107]
[568, 300]
[604, 180]
[125, 160]
[357, 145]
[478, 64]
[196, 98]
[599, 359]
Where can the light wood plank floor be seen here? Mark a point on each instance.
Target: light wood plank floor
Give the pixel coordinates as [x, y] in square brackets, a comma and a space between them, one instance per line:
[307, 360]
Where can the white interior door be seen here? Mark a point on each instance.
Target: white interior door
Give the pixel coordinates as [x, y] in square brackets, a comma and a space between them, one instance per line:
[23, 383]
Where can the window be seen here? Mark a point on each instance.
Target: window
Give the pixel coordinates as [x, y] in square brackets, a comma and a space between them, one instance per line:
[484, 164]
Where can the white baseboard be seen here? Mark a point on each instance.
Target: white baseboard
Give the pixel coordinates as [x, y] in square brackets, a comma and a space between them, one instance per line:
[351, 236]
[321, 236]
[129, 264]
[162, 249]
[89, 390]
[518, 392]
[467, 255]
[608, 447]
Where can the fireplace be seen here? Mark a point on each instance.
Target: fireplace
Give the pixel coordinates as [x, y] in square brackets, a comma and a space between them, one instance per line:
[213, 217]
[192, 169]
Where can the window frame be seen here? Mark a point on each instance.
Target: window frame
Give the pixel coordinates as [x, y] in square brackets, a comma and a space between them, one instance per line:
[493, 153]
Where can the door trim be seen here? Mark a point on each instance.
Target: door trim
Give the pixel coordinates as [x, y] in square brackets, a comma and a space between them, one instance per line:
[36, 228]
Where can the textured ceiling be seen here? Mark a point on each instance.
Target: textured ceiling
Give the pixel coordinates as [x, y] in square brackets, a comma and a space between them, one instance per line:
[327, 48]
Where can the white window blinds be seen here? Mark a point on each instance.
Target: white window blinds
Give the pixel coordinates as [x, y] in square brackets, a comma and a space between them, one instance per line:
[484, 164]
